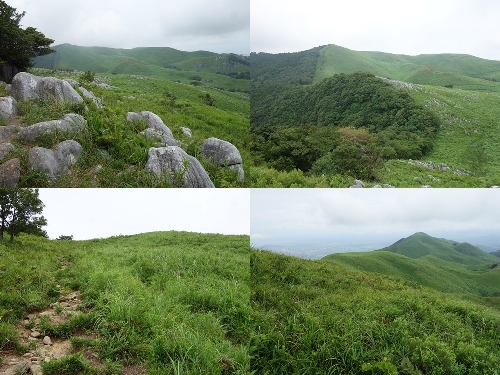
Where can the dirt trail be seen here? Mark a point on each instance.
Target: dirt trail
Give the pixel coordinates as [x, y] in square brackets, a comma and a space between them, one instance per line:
[42, 348]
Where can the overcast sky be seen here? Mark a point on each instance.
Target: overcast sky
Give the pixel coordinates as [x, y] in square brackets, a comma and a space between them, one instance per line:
[408, 27]
[101, 213]
[189, 25]
[284, 214]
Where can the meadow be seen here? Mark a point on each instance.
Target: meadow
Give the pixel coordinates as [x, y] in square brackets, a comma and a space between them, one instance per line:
[160, 303]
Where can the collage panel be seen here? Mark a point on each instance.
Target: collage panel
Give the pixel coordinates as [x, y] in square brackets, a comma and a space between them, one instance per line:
[374, 94]
[149, 95]
[124, 281]
[401, 281]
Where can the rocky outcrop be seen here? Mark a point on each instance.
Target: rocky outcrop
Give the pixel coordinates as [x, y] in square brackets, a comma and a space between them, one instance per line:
[6, 149]
[26, 86]
[182, 169]
[187, 132]
[55, 162]
[358, 184]
[154, 122]
[8, 107]
[224, 154]
[10, 172]
[7, 132]
[70, 124]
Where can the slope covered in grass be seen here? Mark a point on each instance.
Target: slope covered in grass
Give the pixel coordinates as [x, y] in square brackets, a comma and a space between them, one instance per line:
[315, 317]
[174, 302]
[115, 145]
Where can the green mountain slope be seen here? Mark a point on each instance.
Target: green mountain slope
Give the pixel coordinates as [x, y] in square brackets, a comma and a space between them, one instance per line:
[147, 60]
[165, 301]
[421, 244]
[436, 263]
[316, 317]
[461, 71]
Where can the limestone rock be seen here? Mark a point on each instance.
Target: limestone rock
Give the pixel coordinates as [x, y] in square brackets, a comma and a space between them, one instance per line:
[181, 168]
[105, 86]
[56, 162]
[154, 122]
[90, 95]
[6, 149]
[72, 82]
[224, 154]
[47, 340]
[187, 132]
[10, 172]
[7, 132]
[358, 184]
[69, 124]
[26, 86]
[162, 138]
[8, 107]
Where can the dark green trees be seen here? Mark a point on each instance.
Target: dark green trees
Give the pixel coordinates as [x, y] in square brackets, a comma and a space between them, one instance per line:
[20, 211]
[18, 46]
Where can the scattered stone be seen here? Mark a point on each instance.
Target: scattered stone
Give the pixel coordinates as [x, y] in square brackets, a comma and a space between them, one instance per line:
[187, 132]
[105, 86]
[224, 154]
[10, 173]
[357, 184]
[426, 186]
[56, 162]
[154, 122]
[90, 95]
[70, 124]
[157, 135]
[72, 82]
[181, 168]
[7, 132]
[47, 340]
[443, 167]
[8, 107]
[6, 149]
[377, 187]
[35, 334]
[36, 369]
[26, 86]
[495, 187]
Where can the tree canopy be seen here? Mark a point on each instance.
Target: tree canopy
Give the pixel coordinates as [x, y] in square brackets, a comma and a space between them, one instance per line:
[20, 212]
[19, 46]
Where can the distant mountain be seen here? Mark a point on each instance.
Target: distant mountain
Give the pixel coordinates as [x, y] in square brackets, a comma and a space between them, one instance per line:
[496, 253]
[420, 245]
[143, 61]
[437, 263]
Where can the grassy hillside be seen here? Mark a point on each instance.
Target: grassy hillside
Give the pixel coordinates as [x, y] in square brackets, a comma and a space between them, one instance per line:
[461, 90]
[444, 265]
[161, 61]
[316, 317]
[116, 146]
[164, 302]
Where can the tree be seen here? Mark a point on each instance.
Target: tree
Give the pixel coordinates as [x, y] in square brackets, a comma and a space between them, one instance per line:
[20, 211]
[19, 46]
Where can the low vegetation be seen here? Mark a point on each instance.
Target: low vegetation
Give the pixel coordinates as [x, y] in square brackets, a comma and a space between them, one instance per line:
[171, 302]
[316, 317]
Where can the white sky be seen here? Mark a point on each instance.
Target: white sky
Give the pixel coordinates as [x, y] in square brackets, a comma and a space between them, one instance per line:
[408, 27]
[220, 26]
[279, 214]
[102, 213]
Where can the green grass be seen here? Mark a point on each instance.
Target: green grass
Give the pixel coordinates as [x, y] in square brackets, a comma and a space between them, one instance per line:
[315, 317]
[115, 145]
[175, 302]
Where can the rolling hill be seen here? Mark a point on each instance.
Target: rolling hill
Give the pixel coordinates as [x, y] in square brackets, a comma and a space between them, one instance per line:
[461, 90]
[157, 303]
[440, 264]
[142, 61]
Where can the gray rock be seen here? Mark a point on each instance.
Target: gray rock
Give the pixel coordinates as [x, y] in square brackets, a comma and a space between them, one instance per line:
[35, 334]
[72, 82]
[70, 124]
[387, 186]
[10, 172]
[187, 132]
[56, 162]
[443, 167]
[47, 340]
[426, 186]
[36, 369]
[154, 122]
[8, 88]
[7, 132]
[6, 149]
[105, 86]
[162, 138]
[26, 86]
[224, 154]
[377, 187]
[8, 107]
[359, 183]
[181, 168]
[90, 95]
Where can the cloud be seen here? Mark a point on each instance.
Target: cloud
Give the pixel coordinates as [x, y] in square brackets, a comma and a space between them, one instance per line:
[218, 25]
